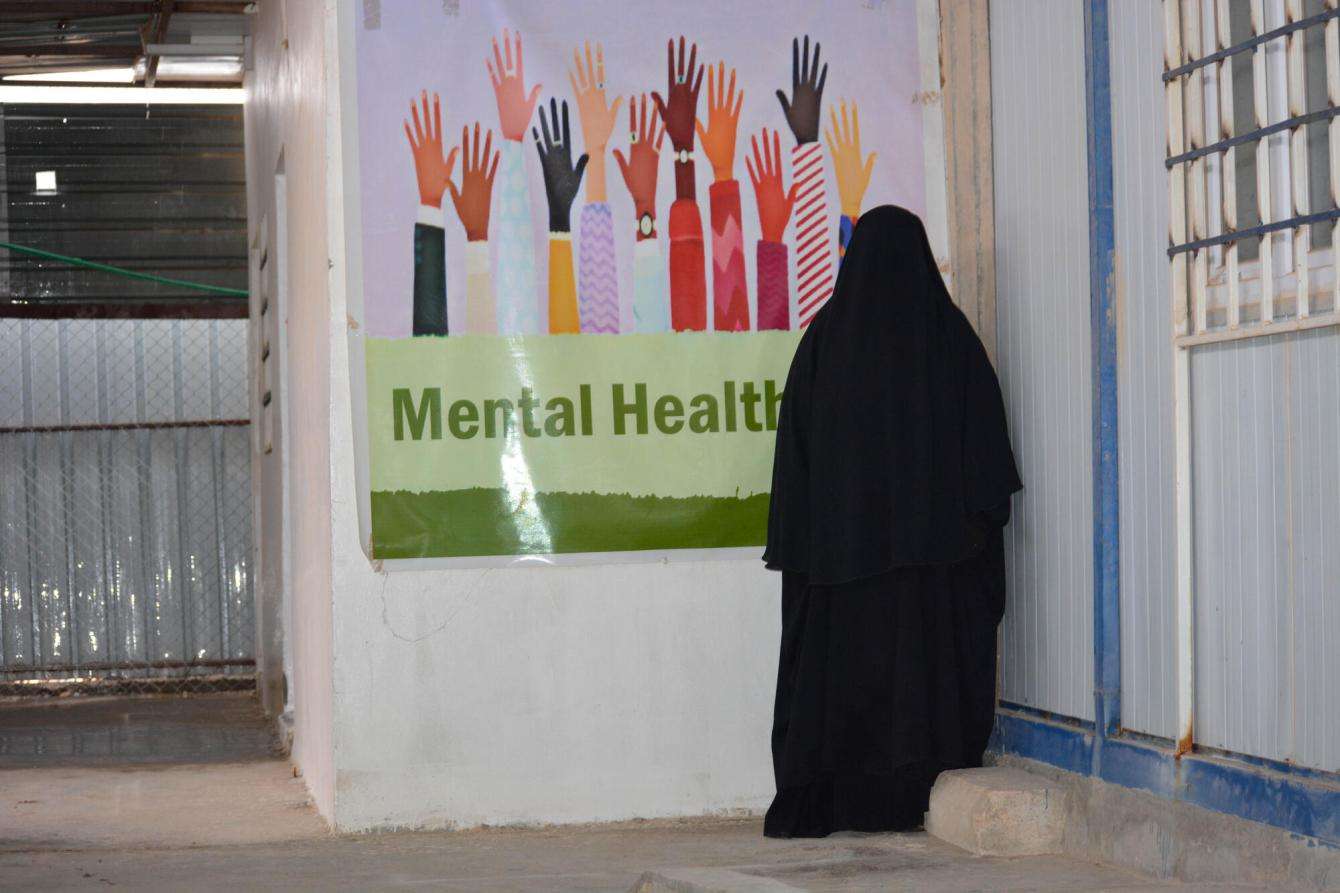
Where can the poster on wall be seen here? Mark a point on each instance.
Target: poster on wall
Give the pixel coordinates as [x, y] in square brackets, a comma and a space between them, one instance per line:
[590, 236]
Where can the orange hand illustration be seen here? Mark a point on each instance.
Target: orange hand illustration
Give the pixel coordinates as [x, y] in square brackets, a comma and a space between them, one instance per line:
[597, 117]
[509, 88]
[473, 199]
[430, 167]
[723, 119]
[775, 201]
[639, 168]
[844, 142]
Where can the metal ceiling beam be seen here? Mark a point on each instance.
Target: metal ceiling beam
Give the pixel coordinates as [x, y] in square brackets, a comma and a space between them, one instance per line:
[158, 34]
[58, 9]
[106, 50]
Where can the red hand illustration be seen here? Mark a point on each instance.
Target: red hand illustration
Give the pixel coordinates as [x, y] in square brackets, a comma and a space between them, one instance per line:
[509, 88]
[683, 81]
[475, 196]
[430, 167]
[775, 201]
[639, 168]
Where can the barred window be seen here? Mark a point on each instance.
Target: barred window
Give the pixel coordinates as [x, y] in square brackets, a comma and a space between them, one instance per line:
[1254, 165]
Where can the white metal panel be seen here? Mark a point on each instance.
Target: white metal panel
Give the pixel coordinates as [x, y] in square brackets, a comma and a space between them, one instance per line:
[1039, 136]
[123, 545]
[1266, 444]
[1144, 380]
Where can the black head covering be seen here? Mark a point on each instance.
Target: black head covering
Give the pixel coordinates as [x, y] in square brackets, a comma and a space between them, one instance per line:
[892, 448]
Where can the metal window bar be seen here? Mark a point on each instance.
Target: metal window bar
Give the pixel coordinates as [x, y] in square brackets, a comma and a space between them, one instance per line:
[1198, 88]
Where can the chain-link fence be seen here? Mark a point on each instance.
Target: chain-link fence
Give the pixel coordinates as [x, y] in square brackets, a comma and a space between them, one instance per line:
[125, 521]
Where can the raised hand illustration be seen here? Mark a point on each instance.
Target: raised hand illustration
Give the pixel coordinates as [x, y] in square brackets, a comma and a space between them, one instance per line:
[775, 202]
[562, 179]
[507, 71]
[679, 112]
[730, 292]
[473, 200]
[518, 304]
[814, 263]
[651, 306]
[598, 286]
[432, 170]
[853, 174]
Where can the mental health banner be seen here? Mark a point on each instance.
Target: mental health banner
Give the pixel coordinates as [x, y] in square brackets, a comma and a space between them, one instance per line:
[591, 235]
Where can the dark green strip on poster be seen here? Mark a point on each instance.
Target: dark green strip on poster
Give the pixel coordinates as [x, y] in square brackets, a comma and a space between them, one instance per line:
[485, 522]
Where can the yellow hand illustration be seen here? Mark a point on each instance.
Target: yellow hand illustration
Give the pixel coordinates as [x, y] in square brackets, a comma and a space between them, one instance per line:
[596, 116]
[844, 142]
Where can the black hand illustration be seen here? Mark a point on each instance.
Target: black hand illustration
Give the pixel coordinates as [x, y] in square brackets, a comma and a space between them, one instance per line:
[807, 92]
[561, 177]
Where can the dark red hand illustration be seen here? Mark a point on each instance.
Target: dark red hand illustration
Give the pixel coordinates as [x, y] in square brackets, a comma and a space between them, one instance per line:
[775, 201]
[475, 196]
[509, 89]
[431, 168]
[639, 169]
[680, 110]
[807, 91]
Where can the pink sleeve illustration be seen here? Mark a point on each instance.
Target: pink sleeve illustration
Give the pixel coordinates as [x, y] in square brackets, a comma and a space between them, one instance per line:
[730, 293]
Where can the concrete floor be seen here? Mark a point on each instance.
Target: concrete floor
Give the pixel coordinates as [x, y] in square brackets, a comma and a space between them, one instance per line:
[91, 797]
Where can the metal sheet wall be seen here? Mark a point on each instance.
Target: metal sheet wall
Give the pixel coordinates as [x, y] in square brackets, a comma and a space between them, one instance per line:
[1266, 476]
[1140, 190]
[1042, 281]
[125, 544]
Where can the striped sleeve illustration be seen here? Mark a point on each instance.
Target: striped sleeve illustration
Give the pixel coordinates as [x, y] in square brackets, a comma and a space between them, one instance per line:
[597, 276]
[814, 264]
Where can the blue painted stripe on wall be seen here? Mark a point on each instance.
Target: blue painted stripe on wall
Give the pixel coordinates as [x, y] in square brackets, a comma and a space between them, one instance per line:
[1296, 802]
[1103, 323]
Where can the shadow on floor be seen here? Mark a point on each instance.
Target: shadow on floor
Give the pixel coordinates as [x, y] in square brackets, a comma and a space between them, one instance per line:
[166, 729]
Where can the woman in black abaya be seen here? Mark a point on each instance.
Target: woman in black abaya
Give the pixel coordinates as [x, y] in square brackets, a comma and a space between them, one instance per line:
[891, 482]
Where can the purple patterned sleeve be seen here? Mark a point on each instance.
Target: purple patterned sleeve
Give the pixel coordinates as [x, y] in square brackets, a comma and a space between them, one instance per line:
[597, 276]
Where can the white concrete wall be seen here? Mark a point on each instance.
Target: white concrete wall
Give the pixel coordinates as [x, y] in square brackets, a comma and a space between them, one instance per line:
[570, 694]
[286, 116]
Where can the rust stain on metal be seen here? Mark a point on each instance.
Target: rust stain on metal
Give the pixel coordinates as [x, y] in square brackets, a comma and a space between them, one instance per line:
[1185, 743]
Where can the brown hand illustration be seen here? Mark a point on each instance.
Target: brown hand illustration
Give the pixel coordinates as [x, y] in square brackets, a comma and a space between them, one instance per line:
[853, 176]
[473, 199]
[723, 119]
[775, 201]
[807, 91]
[680, 111]
[509, 88]
[644, 154]
[425, 143]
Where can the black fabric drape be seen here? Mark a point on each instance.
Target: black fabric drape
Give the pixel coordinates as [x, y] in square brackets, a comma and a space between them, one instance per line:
[891, 482]
[891, 442]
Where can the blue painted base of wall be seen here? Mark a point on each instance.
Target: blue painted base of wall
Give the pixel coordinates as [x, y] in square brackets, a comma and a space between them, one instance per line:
[1300, 801]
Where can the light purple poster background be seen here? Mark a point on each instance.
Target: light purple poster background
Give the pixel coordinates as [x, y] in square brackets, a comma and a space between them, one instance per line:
[870, 45]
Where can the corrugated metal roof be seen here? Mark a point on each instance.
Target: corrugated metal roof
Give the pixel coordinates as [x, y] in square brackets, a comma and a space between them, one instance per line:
[158, 189]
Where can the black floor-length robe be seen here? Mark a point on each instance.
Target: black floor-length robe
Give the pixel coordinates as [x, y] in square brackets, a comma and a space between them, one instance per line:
[891, 482]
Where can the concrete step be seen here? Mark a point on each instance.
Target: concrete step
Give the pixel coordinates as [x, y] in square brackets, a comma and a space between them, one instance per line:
[998, 811]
